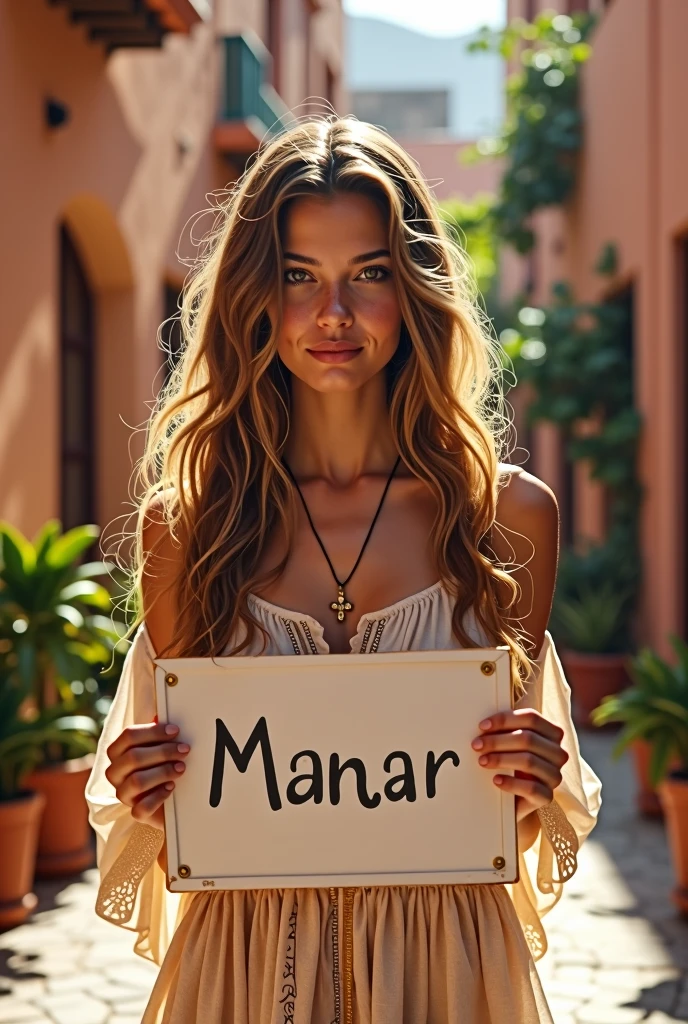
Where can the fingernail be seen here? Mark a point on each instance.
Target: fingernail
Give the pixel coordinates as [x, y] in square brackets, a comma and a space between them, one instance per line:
[171, 730]
[486, 724]
[482, 760]
[155, 719]
[169, 785]
[477, 744]
[183, 748]
[179, 766]
[498, 780]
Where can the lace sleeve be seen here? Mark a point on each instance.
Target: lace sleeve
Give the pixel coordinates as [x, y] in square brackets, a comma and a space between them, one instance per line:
[132, 892]
[567, 820]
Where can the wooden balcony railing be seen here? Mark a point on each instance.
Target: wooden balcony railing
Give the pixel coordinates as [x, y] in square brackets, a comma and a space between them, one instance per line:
[250, 108]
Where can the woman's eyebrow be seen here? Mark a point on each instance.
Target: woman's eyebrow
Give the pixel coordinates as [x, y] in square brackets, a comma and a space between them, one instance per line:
[363, 258]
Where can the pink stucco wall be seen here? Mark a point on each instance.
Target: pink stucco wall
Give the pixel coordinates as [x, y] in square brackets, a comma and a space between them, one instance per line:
[134, 163]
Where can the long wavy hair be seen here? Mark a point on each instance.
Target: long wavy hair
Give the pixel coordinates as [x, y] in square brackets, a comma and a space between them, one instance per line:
[212, 462]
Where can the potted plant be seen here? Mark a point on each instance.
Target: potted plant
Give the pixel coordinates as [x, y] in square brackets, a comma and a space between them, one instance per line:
[655, 709]
[52, 613]
[590, 628]
[24, 734]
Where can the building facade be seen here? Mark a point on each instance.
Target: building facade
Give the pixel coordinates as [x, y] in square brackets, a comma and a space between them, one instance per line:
[631, 190]
[123, 118]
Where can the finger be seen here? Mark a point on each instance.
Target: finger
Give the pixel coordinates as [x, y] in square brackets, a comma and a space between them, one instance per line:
[522, 718]
[521, 739]
[136, 758]
[139, 734]
[535, 794]
[523, 761]
[138, 783]
[145, 808]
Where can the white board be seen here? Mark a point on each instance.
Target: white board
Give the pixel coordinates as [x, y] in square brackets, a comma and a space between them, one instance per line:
[459, 829]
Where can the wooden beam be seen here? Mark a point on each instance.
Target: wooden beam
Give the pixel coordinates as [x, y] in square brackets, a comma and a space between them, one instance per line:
[115, 39]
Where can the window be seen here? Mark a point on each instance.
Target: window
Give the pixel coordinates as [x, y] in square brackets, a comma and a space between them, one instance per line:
[171, 332]
[531, 10]
[77, 380]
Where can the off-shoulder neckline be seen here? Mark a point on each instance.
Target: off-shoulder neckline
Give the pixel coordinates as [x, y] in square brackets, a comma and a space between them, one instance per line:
[293, 615]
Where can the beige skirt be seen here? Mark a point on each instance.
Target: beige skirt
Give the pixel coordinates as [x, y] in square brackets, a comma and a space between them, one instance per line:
[393, 955]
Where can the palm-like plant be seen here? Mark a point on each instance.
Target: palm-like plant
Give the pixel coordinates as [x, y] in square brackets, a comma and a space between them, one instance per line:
[593, 620]
[54, 629]
[654, 708]
[26, 734]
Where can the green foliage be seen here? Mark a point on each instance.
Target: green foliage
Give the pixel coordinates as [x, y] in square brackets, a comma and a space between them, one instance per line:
[654, 708]
[593, 620]
[544, 127]
[25, 740]
[577, 357]
[56, 633]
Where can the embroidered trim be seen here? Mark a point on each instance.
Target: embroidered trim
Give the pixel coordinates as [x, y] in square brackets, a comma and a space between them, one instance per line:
[562, 838]
[117, 891]
[289, 992]
[335, 958]
[366, 637]
[378, 636]
[309, 637]
[292, 636]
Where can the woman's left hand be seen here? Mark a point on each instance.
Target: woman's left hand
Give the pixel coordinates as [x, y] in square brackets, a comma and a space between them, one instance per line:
[530, 745]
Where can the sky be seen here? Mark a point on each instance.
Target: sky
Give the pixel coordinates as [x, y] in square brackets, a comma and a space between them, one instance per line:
[434, 17]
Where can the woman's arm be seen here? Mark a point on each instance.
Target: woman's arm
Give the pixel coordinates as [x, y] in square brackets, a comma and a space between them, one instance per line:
[526, 535]
[161, 564]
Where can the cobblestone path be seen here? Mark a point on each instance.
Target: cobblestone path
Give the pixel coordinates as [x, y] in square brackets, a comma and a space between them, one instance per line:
[618, 950]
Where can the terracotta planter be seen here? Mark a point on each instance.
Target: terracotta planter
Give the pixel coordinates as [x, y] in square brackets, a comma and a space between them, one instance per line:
[592, 677]
[647, 797]
[64, 843]
[20, 820]
[673, 792]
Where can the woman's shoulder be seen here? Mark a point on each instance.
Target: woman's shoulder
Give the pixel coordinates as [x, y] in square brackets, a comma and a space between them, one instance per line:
[524, 500]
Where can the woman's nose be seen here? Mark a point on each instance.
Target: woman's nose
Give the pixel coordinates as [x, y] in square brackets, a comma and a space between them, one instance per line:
[335, 310]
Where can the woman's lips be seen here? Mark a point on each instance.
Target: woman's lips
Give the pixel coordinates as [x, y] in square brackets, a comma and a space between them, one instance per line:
[334, 355]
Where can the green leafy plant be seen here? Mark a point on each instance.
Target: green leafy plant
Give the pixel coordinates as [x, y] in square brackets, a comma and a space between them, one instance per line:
[654, 708]
[577, 359]
[26, 734]
[592, 621]
[55, 635]
[544, 124]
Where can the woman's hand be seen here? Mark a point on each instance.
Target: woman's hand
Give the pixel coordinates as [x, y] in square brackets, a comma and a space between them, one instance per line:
[144, 762]
[526, 742]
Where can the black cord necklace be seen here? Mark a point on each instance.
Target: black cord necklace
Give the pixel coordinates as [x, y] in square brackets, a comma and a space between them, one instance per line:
[341, 605]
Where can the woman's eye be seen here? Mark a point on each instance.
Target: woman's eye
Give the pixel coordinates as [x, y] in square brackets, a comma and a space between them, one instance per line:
[293, 275]
[374, 274]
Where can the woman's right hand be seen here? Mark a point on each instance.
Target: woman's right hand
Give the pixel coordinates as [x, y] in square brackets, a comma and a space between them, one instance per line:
[144, 762]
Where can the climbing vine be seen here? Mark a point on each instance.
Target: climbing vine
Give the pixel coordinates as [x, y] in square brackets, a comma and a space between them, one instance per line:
[576, 357]
[544, 125]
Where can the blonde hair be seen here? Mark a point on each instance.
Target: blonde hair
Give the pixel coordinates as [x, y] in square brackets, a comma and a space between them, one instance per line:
[214, 443]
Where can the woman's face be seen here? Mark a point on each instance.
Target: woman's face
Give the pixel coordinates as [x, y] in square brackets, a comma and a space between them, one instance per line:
[340, 316]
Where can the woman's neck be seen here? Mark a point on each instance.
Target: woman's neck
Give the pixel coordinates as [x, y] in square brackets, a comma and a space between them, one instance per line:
[340, 436]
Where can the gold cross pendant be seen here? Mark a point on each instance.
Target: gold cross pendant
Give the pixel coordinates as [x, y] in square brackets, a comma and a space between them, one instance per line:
[341, 605]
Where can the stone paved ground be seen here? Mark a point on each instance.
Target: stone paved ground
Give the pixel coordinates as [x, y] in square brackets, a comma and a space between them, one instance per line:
[618, 950]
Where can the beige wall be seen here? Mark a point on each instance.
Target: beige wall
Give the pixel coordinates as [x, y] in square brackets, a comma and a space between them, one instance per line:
[442, 167]
[631, 190]
[133, 164]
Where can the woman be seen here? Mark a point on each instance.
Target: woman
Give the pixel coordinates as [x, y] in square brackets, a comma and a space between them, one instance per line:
[324, 477]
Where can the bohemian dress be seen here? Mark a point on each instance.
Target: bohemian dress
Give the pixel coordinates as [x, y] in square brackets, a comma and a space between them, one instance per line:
[446, 954]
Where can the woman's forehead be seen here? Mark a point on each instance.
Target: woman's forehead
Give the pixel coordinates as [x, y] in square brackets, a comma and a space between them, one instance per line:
[343, 220]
